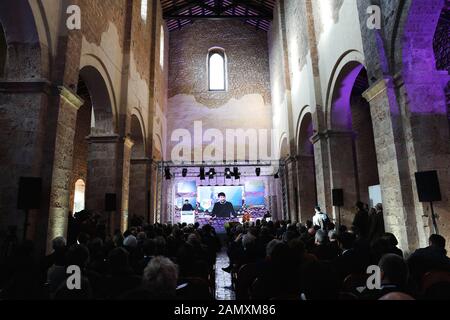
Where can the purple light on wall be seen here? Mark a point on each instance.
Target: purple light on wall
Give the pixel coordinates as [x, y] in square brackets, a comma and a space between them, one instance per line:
[341, 116]
[424, 84]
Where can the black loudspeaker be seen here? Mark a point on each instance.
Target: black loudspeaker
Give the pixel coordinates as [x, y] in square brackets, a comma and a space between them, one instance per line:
[29, 195]
[338, 197]
[110, 202]
[428, 187]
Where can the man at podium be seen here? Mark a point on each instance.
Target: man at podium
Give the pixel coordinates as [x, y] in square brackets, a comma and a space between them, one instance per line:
[223, 208]
[187, 206]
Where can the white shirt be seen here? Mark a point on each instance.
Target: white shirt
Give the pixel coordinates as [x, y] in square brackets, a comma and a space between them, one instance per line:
[317, 217]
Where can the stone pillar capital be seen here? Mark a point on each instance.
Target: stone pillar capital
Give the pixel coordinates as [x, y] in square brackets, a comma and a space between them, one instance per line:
[378, 88]
[327, 134]
[128, 142]
[110, 138]
[143, 160]
[70, 98]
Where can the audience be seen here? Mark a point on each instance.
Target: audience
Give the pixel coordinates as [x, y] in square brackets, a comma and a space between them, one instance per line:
[268, 260]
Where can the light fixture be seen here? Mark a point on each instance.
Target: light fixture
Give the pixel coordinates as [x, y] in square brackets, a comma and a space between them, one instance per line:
[202, 173]
[184, 172]
[167, 173]
[258, 172]
[227, 173]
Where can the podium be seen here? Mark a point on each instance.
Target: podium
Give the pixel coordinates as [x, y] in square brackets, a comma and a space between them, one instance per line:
[187, 217]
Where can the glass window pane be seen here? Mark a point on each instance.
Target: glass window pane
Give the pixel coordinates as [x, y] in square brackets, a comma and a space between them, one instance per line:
[216, 72]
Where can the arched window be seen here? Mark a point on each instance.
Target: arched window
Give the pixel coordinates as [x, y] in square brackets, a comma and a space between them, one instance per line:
[144, 10]
[161, 48]
[78, 202]
[217, 68]
[3, 52]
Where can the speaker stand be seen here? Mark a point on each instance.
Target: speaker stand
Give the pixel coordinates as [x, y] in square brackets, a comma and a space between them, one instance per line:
[433, 216]
[339, 216]
[25, 225]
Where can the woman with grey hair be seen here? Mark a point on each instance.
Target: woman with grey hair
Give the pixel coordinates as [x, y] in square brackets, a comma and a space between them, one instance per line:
[160, 278]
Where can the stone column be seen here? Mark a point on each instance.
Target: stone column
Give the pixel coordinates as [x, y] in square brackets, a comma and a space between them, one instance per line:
[321, 160]
[62, 165]
[23, 108]
[139, 188]
[291, 183]
[102, 177]
[343, 172]
[393, 167]
[125, 183]
[306, 186]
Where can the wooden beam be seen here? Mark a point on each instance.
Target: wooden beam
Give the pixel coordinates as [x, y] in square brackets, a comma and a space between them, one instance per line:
[217, 17]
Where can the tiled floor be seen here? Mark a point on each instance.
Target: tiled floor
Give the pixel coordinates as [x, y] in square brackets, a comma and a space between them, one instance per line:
[223, 280]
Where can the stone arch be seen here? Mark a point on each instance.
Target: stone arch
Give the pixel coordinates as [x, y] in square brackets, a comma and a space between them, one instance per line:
[353, 157]
[103, 111]
[441, 46]
[99, 70]
[25, 58]
[138, 135]
[283, 147]
[138, 200]
[349, 59]
[22, 116]
[3, 51]
[307, 188]
[103, 146]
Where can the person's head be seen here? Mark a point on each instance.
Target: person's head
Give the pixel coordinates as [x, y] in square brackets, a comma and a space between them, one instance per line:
[118, 260]
[321, 237]
[222, 197]
[78, 255]
[346, 240]
[270, 247]
[394, 270]
[59, 244]
[248, 240]
[437, 241]
[396, 296]
[359, 205]
[160, 277]
[186, 201]
[379, 207]
[332, 235]
[390, 238]
[130, 241]
[193, 239]
[317, 209]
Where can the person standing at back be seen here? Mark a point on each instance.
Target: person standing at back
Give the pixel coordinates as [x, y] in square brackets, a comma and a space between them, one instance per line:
[321, 219]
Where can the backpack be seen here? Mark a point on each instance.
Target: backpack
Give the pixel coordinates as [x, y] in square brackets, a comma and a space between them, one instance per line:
[325, 223]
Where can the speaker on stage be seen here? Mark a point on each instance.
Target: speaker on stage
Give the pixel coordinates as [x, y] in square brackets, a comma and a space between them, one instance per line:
[428, 187]
[338, 197]
[29, 195]
[110, 202]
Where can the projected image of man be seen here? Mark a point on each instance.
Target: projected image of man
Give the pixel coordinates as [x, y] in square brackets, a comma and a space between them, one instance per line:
[223, 208]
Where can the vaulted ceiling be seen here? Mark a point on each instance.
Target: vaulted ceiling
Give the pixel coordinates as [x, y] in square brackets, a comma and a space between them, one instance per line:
[179, 13]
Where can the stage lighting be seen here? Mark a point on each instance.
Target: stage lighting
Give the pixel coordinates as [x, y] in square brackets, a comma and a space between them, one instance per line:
[258, 172]
[236, 173]
[167, 173]
[212, 173]
[184, 173]
[276, 176]
[228, 173]
[202, 173]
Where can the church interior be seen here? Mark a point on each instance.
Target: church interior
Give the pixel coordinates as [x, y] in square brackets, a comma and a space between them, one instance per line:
[224, 149]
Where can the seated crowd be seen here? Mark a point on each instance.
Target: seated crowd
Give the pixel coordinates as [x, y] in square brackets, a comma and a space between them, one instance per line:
[268, 260]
